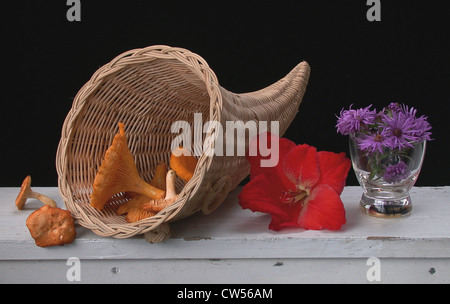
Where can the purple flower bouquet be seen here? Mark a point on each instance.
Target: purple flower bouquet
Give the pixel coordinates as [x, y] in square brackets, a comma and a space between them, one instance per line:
[387, 150]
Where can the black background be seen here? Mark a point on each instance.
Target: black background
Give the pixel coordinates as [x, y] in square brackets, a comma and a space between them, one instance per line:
[249, 45]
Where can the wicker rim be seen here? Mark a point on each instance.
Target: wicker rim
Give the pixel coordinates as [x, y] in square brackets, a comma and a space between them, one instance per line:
[198, 66]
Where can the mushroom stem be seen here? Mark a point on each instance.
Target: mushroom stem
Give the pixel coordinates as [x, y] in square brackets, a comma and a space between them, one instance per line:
[157, 205]
[170, 185]
[26, 192]
[43, 198]
[140, 186]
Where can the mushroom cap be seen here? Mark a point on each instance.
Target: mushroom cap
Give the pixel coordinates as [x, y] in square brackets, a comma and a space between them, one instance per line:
[50, 226]
[159, 180]
[24, 192]
[133, 209]
[118, 173]
[159, 204]
[135, 202]
[117, 156]
[183, 163]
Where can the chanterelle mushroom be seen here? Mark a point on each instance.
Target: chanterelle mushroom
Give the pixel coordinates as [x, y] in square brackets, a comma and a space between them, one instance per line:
[118, 173]
[159, 180]
[133, 209]
[50, 226]
[183, 163]
[26, 192]
[157, 205]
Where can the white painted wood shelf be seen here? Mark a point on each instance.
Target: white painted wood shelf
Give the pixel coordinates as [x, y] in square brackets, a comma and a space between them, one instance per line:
[233, 245]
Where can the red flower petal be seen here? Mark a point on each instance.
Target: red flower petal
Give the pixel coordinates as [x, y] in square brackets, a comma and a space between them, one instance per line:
[301, 166]
[323, 210]
[280, 222]
[265, 140]
[334, 169]
[263, 194]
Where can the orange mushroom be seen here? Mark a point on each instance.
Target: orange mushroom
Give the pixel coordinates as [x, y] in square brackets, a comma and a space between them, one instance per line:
[26, 192]
[133, 209]
[159, 180]
[118, 173]
[50, 226]
[183, 163]
[157, 205]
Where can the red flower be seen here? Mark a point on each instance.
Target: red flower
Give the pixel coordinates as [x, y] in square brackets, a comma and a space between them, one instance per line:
[302, 190]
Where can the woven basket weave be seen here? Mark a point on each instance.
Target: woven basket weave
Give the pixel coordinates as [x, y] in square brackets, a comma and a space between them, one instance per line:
[148, 89]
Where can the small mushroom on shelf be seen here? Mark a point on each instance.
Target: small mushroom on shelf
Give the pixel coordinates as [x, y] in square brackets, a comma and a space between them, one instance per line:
[26, 192]
[157, 205]
[118, 173]
[51, 226]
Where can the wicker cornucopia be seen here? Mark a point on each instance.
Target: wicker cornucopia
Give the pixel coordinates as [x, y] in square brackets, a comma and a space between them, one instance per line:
[148, 90]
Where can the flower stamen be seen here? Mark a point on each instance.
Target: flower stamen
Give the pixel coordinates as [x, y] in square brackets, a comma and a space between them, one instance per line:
[397, 132]
[378, 138]
[292, 198]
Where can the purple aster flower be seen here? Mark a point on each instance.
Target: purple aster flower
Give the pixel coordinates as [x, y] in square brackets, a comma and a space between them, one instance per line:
[422, 129]
[404, 128]
[373, 142]
[351, 121]
[421, 126]
[394, 107]
[401, 130]
[396, 173]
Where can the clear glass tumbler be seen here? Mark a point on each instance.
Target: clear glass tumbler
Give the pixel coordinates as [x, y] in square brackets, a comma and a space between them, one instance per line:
[387, 177]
